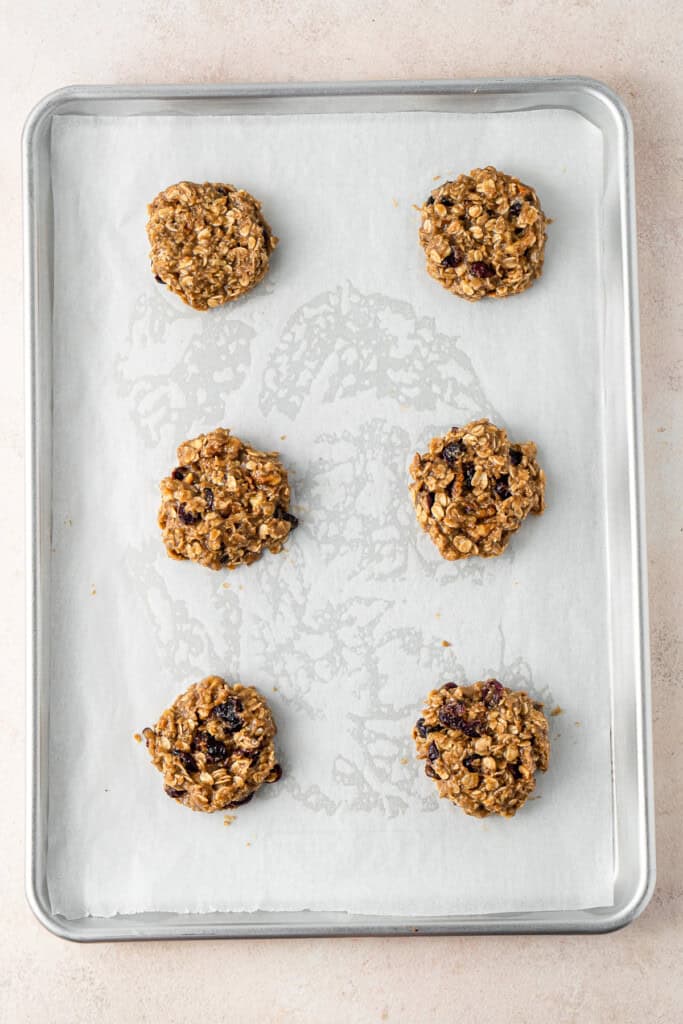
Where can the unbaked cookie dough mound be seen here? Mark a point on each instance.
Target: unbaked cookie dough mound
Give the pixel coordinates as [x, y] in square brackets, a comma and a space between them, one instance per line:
[210, 243]
[214, 745]
[483, 745]
[473, 489]
[225, 502]
[483, 235]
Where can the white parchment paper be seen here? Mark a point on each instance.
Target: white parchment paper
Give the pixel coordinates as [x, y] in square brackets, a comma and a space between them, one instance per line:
[347, 359]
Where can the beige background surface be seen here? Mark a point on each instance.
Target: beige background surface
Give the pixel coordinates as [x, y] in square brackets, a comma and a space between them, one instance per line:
[634, 975]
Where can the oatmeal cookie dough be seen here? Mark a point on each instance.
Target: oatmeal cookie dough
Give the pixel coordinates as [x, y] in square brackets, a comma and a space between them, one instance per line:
[209, 243]
[483, 745]
[225, 502]
[483, 235]
[473, 489]
[214, 745]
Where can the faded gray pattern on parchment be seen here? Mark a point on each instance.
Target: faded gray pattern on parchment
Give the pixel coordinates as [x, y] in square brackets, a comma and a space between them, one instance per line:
[344, 344]
[353, 502]
[177, 629]
[193, 377]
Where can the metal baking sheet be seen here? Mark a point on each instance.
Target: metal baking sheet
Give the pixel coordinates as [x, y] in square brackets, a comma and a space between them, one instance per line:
[626, 633]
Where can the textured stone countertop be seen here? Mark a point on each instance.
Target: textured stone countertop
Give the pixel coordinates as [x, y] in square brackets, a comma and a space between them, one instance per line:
[633, 975]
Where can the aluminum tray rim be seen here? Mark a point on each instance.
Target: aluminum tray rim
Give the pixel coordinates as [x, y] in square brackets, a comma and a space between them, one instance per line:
[166, 926]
